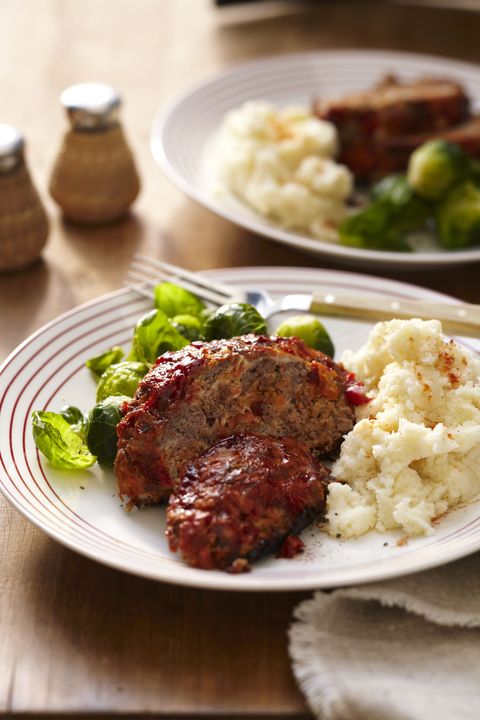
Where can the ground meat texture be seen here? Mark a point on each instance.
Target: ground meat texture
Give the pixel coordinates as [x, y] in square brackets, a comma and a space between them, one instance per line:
[207, 391]
[241, 499]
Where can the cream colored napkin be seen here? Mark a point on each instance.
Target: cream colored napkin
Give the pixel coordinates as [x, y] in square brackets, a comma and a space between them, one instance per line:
[406, 649]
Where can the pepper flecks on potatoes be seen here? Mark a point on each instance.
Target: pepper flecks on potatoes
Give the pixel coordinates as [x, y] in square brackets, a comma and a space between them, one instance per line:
[242, 498]
[196, 396]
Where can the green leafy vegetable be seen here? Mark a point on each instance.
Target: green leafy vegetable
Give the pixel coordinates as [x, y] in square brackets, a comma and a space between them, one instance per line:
[154, 335]
[370, 228]
[206, 315]
[56, 439]
[75, 418]
[435, 167]
[102, 429]
[234, 319]
[474, 173]
[458, 217]
[174, 300]
[121, 379]
[100, 363]
[404, 208]
[309, 329]
[395, 210]
[189, 326]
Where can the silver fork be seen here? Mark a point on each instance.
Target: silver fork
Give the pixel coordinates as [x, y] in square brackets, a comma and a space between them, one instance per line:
[456, 318]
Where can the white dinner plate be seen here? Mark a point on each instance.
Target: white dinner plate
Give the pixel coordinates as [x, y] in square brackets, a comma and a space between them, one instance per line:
[81, 509]
[184, 133]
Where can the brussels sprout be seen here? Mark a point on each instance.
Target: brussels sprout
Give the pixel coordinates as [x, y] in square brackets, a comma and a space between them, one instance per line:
[188, 326]
[370, 228]
[458, 217]
[121, 379]
[474, 173]
[75, 418]
[435, 167]
[206, 315]
[309, 329]
[406, 210]
[174, 300]
[102, 428]
[56, 439]
[100, 363]
[234, 319]
[154, 335]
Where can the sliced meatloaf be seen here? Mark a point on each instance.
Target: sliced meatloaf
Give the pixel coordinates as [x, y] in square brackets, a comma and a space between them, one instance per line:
[242, 498]
[393, 153]
[393, 109]
[207, 391]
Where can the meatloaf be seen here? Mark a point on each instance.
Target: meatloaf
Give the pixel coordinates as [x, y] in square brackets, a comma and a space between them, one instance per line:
[207, 391]
[366, 121]
[242, 498]
[395, 151]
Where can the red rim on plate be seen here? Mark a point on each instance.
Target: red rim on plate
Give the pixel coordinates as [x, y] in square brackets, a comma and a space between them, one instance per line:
[48, 370]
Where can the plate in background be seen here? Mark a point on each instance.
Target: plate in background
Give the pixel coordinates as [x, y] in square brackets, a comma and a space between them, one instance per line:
[81, 510]
[184, 131]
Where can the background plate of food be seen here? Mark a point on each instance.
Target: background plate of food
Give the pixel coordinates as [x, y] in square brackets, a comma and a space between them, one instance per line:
[423, 420]
[313, 150]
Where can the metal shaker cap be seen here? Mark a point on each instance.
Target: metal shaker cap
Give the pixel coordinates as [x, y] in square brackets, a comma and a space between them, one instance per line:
[11, 148]
[91, 106]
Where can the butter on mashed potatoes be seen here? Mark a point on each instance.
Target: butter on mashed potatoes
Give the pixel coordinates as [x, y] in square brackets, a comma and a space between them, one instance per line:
[281, 163]
[415, 450]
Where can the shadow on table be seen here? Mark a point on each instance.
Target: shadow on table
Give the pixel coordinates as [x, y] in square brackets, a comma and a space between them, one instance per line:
[106, 249]
[24, 296]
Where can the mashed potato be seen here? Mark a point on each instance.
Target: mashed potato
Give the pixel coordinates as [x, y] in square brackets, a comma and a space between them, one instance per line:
[280, 163]
[415, 450]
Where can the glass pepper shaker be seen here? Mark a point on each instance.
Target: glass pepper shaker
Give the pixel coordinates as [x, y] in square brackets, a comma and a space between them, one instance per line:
[94, 179]
[23, 221]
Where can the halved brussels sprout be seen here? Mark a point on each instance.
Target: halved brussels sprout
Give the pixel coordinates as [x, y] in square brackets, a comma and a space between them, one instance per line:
[102, 428]
[406, 210]
[232, 320]
[458, 217]
[188, 326]
[121, 379]
[309, 329]
[435, 167]
[371, 228]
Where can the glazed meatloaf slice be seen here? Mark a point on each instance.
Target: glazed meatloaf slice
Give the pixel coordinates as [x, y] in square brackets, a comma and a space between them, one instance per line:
[392, 109]
[242, 498]
[207, 391]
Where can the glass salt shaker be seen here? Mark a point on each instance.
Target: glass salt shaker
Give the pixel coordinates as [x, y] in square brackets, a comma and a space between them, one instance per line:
[23, 221]
[94, 179]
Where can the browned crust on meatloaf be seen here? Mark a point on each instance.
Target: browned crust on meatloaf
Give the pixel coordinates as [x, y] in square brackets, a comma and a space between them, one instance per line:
[207, 391]
[242, 498]
[393, 109]
[393, 153]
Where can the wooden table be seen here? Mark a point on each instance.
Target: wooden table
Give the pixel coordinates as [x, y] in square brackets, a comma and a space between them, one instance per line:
[77, 638]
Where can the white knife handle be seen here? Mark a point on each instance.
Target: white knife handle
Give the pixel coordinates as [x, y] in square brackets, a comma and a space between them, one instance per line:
[457, 318]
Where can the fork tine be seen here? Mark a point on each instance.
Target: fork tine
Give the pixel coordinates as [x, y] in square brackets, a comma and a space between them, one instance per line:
[139, 289]
[140, 279]
[178, 272]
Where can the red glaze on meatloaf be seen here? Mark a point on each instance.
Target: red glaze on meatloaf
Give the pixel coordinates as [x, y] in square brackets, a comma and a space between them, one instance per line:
[207, 391]
[242, 498]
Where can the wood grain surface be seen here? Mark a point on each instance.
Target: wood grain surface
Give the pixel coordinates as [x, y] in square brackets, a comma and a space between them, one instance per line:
[78, 639]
